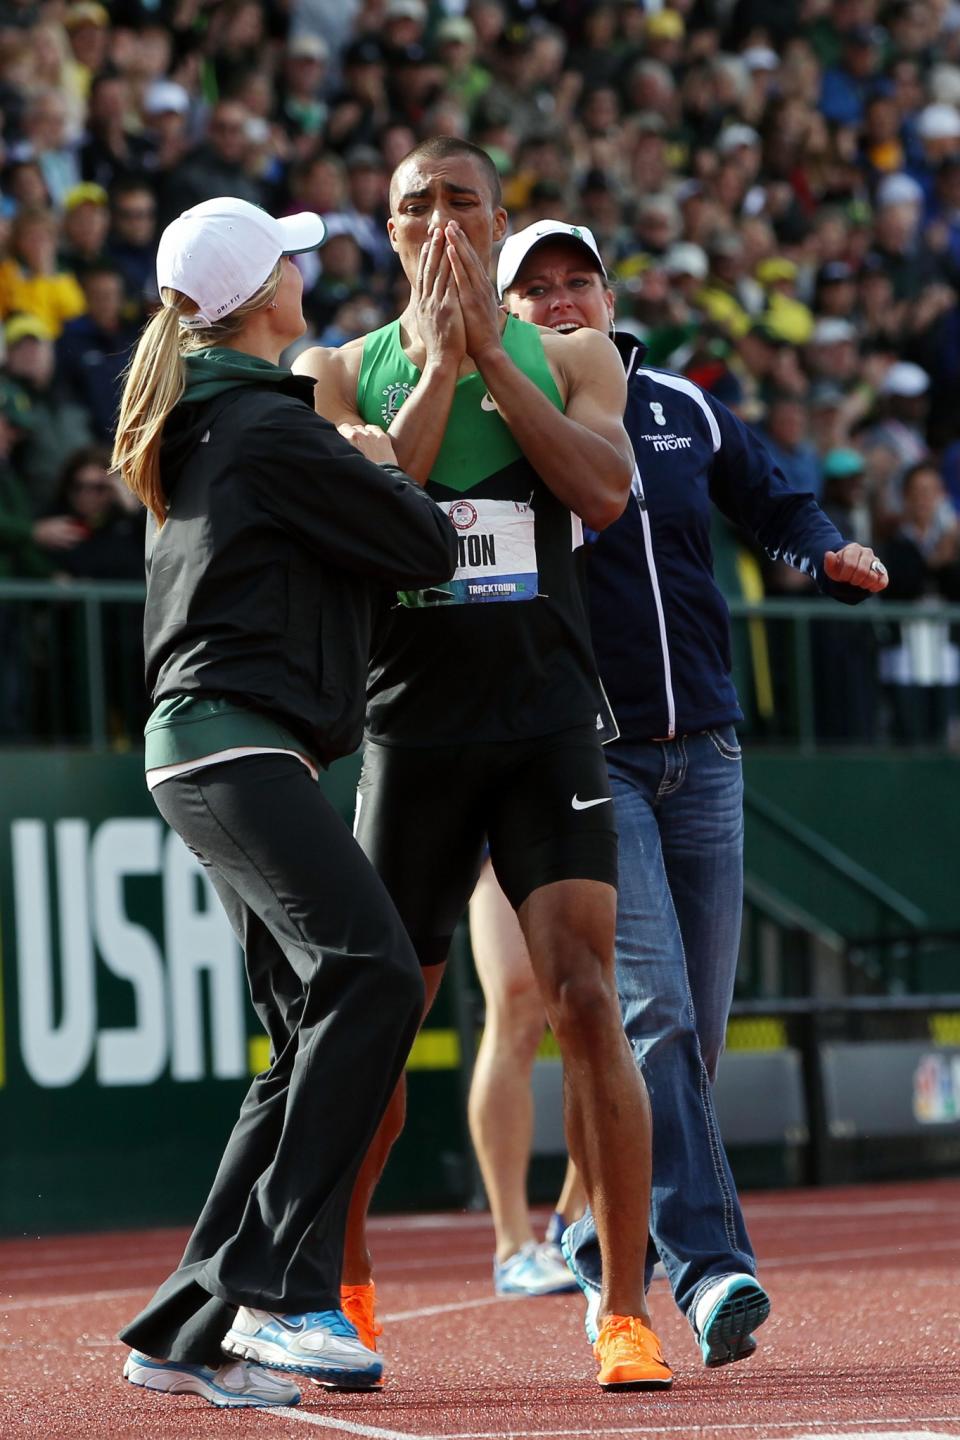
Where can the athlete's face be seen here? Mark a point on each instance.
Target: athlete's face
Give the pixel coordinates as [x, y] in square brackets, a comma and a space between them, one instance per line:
[559, 286]
[425, 195]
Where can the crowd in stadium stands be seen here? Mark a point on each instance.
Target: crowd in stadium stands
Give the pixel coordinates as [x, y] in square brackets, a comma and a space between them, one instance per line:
[775, 185]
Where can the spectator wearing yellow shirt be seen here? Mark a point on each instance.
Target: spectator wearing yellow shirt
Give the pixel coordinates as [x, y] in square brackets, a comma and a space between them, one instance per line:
[785, 315]
[729, 298]
[30, 281]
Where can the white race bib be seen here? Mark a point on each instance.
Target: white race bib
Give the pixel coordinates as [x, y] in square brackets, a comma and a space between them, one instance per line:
[497, 555]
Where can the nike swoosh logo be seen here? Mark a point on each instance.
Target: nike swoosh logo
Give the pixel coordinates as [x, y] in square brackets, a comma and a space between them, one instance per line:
[586, 804]
[487, 403]
[294, 1329]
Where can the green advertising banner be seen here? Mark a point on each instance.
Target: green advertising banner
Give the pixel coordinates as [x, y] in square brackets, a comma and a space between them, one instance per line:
[126, 1036]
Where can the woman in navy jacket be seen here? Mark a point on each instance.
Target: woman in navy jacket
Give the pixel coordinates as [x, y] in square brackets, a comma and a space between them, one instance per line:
[662, 639]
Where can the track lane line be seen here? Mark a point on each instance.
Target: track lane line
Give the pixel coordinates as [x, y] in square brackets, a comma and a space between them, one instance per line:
[351, 1427]
[81, 1267]
[822, 1427]
[826, 1258]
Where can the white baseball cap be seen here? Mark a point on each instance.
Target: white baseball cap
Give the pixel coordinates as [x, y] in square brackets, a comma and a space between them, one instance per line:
[734, 136]
[898, 189]
[833, 330]
[906, 379]
[517, 247]
[166, 97]
[939, 121]
[686, 258]
[221, 251]
[760, 57]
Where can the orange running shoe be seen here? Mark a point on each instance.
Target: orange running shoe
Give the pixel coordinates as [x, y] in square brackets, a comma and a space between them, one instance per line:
[357, 1302]
[630, 1357]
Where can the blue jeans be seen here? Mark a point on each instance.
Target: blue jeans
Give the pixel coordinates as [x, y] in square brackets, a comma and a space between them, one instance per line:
[679, 808]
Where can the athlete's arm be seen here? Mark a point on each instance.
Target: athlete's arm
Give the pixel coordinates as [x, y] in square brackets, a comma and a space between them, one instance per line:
[336, 373]
[417, 430]
[434, 314]
[583, 454]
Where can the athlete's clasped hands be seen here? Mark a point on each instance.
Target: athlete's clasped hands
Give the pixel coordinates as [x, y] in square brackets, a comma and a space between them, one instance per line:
[456, 303]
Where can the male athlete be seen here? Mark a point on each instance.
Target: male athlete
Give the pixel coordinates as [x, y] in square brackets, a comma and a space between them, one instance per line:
[484, 711]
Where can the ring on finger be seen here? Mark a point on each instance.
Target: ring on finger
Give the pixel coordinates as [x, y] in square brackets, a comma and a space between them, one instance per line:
[878, 567]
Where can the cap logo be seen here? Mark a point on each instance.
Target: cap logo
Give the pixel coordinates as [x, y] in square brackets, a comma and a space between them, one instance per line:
[576, 232]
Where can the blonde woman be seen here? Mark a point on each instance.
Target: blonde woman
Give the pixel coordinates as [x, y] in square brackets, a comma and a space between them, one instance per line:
[268, 537]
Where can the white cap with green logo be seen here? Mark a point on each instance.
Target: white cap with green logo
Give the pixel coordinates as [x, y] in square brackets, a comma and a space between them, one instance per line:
[517, 247]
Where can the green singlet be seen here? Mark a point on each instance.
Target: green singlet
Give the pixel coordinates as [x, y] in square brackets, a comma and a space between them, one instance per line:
[502, 651]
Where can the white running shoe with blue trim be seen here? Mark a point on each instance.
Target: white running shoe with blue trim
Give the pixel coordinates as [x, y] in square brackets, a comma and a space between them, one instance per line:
[322, 1344]
[533, 1270]
[591, 1320]
[725, 1314]
[233, 1386]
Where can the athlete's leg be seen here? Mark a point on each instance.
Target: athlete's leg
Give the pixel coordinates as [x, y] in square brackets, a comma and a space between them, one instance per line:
[357, 1262]
[569, 927]
[679, 818]
[572, 1197]
[426, 847]
[501, 1104]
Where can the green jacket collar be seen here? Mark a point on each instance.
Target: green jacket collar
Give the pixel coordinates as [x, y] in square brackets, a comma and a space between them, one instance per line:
[210, 372]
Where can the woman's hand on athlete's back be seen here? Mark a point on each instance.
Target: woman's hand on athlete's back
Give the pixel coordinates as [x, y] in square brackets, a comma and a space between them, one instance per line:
[371, 441]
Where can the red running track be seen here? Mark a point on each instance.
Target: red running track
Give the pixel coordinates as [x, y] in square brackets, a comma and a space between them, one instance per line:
[864, 1339]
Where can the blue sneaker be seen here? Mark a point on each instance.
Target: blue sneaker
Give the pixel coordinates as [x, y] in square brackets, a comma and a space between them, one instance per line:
[321, 1344]
[726, 1313]
[235, 1385]
[533, 1270]
[591, 1320]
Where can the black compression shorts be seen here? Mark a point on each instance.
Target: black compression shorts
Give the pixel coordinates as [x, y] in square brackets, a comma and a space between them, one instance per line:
[423, 816]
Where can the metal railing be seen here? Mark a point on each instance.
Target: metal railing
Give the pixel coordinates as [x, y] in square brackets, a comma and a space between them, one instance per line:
[95, 604]
[809, 619]
[794, 692]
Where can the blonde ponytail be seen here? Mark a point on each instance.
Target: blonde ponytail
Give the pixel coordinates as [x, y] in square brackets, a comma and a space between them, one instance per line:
[156, 380]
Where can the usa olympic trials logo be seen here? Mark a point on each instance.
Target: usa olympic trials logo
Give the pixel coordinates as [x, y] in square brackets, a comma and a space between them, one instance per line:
[463, 515]
[391, 398]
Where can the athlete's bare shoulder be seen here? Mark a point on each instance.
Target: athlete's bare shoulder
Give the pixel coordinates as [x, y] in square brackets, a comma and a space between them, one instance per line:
[336, 372]
[583, 357]
[321, 360]
[587, 344]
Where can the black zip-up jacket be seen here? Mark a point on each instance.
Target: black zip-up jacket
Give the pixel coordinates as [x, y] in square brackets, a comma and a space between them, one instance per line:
[262, 583]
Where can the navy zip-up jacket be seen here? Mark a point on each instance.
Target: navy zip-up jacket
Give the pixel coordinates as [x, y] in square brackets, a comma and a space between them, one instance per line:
[660, 625]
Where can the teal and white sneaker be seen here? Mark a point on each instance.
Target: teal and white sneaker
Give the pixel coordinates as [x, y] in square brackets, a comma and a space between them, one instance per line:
[591, 1320]
[533, 1270]
[725, 1314]
[555, 1228]
[233, 1386]
[321, 1344]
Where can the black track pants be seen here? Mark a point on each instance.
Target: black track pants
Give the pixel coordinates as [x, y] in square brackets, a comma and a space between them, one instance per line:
[338, 989]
